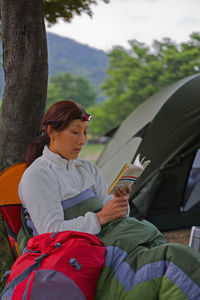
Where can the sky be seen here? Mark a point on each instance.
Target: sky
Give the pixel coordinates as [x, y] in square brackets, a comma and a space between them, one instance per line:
[116, 23]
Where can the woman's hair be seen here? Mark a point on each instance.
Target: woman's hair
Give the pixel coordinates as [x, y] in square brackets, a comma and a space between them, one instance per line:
[58, 116]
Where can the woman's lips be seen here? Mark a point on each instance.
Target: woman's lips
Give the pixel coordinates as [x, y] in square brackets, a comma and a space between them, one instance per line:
[77, 150]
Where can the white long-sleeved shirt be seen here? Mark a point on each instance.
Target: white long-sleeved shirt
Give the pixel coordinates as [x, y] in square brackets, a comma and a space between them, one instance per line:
[51, 179]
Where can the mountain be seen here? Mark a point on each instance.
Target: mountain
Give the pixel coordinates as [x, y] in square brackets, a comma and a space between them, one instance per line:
[67, 55]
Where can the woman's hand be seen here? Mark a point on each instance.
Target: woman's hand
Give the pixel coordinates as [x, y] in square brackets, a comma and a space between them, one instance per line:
[123, 191]
[115, 208]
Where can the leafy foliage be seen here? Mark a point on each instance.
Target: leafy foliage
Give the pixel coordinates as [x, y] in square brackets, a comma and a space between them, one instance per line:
[66, 86]
[137, 73]
[5, 253]
[66, 9]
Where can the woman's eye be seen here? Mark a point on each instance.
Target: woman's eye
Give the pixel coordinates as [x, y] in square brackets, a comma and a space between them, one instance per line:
[75, 132]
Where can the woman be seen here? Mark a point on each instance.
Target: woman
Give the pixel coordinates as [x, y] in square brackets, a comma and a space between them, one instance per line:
[56, 176]
[61, 192]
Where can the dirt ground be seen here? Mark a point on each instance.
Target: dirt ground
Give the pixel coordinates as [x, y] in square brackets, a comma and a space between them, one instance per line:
[181, 236]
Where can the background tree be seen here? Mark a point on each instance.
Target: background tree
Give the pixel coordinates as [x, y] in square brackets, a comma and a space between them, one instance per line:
[26, 75]
[25, 67]
[26, 72]
[66, 9]
[66, 86]
[137, 73]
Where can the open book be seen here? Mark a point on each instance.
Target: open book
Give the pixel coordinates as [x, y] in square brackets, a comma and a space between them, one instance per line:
[129, 174]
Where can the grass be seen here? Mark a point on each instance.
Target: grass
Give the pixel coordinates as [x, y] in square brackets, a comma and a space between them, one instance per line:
[91, 151]
[180, 236]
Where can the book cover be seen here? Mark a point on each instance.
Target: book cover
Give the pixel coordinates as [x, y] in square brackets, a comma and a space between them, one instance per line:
[129, 174]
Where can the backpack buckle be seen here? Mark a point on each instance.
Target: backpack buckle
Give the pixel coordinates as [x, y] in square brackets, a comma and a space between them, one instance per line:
[73, 262]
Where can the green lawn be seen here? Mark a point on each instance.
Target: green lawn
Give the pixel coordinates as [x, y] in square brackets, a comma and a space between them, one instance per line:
[91, 151]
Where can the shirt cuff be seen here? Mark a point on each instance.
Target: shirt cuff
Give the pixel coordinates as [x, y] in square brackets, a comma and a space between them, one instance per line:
[97, 222]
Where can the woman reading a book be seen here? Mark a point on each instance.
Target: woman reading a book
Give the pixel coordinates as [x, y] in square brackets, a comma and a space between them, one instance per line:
[61, 192]
[56, 179]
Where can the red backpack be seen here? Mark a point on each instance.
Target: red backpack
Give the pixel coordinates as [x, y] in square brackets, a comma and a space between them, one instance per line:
[57, 266]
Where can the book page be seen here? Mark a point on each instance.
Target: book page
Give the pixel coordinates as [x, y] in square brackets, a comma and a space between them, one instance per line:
[129, 174]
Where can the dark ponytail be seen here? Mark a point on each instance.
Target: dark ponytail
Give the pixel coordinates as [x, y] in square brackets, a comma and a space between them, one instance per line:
[58, 116]
[35, 148]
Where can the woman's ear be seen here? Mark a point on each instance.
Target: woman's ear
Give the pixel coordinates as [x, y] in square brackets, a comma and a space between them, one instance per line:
[50, 132]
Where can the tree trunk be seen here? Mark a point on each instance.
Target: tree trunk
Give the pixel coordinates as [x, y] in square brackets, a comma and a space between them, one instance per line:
[26, 76]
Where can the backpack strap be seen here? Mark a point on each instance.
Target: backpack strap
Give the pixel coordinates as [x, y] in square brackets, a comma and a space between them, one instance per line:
[25, 273]
[22, 276]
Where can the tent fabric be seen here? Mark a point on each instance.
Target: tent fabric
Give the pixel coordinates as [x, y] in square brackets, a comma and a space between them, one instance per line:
[173, 128]
[192, 189]
[9, 181]
[194, 197]
[10, 204]
[122, 147]
[170, 122]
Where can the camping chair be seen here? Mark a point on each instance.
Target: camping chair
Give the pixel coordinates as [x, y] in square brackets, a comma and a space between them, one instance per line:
[10, 204]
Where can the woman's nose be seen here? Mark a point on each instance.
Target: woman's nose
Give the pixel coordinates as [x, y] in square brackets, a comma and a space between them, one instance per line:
[82, 139]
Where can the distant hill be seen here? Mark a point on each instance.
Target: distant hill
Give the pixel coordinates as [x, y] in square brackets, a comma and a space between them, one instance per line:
[67, 55]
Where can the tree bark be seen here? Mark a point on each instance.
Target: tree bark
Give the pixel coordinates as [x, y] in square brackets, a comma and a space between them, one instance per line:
[26, 75]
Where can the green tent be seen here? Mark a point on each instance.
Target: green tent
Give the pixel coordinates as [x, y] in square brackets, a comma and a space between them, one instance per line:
[166, 130]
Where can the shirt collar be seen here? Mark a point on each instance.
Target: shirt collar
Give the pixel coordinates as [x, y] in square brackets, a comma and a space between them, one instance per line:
[57, 160]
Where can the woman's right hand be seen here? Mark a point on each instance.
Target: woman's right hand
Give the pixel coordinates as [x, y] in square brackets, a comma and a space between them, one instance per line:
[113, 209]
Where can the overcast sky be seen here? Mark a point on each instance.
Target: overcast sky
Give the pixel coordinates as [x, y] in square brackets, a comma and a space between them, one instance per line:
[144, 20]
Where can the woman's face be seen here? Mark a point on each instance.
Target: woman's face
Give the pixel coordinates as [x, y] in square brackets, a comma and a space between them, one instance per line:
[69, 142]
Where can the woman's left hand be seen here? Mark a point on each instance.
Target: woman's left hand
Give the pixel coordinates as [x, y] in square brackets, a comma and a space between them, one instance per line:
[123, 192]
[115, 208]
[120, 192]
